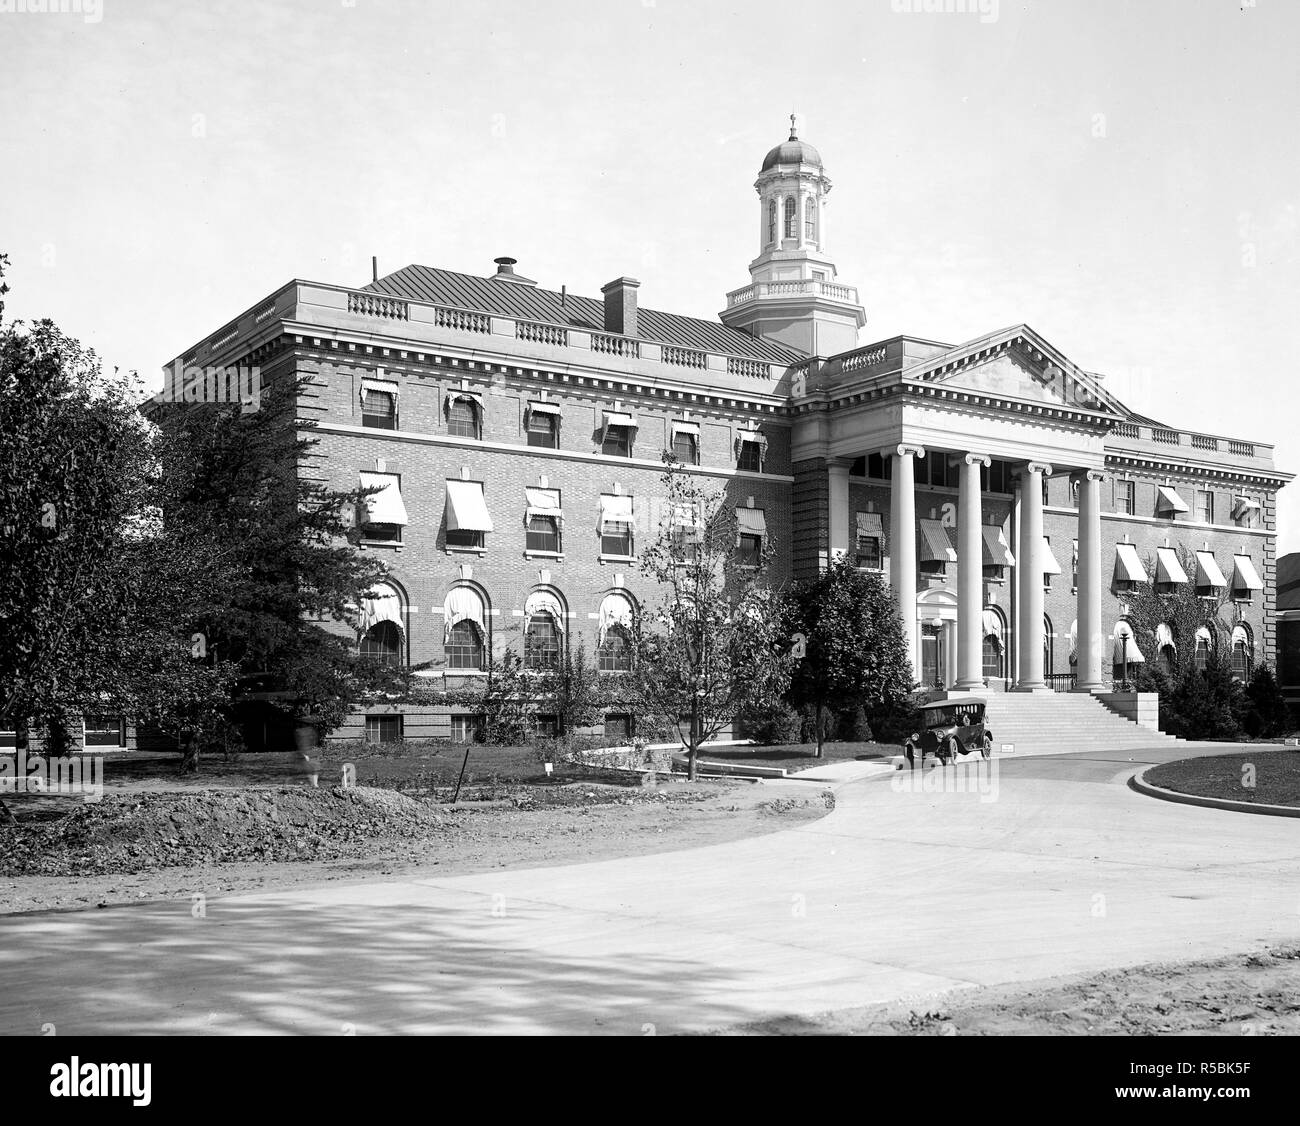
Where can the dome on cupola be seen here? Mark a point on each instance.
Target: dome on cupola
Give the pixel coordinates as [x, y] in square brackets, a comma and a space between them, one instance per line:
[793, 151]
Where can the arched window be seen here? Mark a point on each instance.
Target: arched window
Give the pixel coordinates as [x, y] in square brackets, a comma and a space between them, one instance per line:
[1242, 652]
[541, 643]
[462, 418]
[992, 656]
[791, 217]
[1166, 650]
[383, 643]
[1203, 643]
[465, 631]
[771, 220]
[380, 625]
[810, 220]
[464, 647]
[1126, 655]
[615, 652]
[614, 633]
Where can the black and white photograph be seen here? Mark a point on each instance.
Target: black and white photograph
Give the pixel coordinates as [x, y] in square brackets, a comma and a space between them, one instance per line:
[650, 518]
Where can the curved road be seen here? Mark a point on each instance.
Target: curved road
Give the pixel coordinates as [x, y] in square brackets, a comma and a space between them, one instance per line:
[1058, 867]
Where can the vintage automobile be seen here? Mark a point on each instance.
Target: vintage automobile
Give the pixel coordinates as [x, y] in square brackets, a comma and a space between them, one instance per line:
[949, 728]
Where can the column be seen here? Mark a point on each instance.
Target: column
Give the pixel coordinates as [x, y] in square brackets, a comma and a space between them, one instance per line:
[970, 575]
[837, 502]
[1091, 643]
[902, 544]
[1029, 636]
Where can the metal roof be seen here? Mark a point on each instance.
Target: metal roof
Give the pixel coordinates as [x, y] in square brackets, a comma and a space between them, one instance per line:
[526, 302]
[1288, 582]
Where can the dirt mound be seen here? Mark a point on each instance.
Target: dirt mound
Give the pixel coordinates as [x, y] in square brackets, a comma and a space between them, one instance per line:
[154, 830]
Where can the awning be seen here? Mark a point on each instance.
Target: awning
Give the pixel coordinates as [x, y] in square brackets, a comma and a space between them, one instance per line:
[469, 397]
[542, 502]
[463, 604]
[936, 547]
[870, 524]
[1240, 636]
[1168, 569]
[619, 418]
[615, 509]
[466, 508]
[1165, 638]
[544, 602]
[381, 385]
[380, 605]
[1207, 570]
[1168, 500]
[385, 507]
[1127, 564]
[997, 552]
[681, 426]
[615, 610]
[756, 436]
[1244, 575]
[543, 408]
[992, 625]
[1126, 646]
[1049, 564]
[1074, 641]
[751, 522]
[1244, 504]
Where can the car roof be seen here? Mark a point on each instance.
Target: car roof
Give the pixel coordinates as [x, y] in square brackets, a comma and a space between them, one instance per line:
[949, 704]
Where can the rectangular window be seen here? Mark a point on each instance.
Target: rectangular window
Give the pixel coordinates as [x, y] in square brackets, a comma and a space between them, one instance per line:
[546, 726]
[379, 410]
[994, 478]
[618, 725]
[869, 554]
[463, 537]
[383, 729]
[464, 728]
[1046, 490]
[105, 731]
[618, 441]
[751, 456]
[685, 448]
[383, 533]
[543, 430]
[1125, 497]
[616, 538]
[879, 467]
[749, 550]
[1205, 506]
[543, 534]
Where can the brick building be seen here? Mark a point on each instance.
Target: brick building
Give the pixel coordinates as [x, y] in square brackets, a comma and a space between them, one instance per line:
[1288, 629]
[517, 432]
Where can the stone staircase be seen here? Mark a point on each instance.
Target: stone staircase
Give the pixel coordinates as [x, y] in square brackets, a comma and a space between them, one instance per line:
[1058, 722]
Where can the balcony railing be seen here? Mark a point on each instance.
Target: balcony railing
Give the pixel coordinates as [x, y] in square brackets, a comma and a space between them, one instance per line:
[372, 305]
[684, 357]
[738, 366]
[1060, 681]
[615, 345]
[461, 320]
[541, 333]
[801, 287]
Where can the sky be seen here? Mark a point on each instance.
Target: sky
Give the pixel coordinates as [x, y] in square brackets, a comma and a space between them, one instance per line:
[1124, 177]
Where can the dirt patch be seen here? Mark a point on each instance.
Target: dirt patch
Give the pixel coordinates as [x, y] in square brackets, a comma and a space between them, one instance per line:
[160, 844]
[1242, 995]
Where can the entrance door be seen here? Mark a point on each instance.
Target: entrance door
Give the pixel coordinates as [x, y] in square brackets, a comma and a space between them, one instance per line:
[932, 656]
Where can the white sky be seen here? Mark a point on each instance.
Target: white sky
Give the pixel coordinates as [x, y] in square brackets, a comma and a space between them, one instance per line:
[1105, 170]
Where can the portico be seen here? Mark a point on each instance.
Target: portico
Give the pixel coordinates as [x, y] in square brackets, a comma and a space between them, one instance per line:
[1008, 402]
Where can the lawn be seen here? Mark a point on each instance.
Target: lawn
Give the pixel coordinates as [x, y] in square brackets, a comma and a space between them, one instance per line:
[798, 756]
[1276, 777]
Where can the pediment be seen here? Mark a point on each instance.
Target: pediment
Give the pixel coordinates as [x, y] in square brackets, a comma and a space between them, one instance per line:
[1016, 367]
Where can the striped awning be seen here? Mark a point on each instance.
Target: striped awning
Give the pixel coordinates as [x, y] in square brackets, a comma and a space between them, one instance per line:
[936, 545]
[1128, 567]
[535, 407]
[997, 552]
[751, 522]
[544, 602]
[383, 386]
[1048, 560]
[870, 524]
[1207, 570]
[1126, 647]
[1244, 575]
[1168, 569]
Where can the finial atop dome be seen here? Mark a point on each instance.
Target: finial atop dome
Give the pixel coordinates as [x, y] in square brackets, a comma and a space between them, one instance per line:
[793, 151]
[793, 135]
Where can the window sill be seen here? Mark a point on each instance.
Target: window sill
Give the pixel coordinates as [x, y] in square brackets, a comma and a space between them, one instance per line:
[556, 555]
[617, 559]
[465, 550]
[381, 543]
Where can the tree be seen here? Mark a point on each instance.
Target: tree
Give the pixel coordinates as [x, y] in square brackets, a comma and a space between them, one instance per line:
[1266, 710]
[1206, 703]
[93, 591]
[856, 653]
[714, 645]
[241, 478]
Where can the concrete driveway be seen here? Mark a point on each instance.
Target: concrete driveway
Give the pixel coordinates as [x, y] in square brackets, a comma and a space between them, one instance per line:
[1056, 868]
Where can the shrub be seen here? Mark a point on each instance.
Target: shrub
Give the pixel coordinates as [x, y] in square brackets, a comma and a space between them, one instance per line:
[774, 725]
[854, 727]
[1266, 713]
[1204, 704]
[894, 725]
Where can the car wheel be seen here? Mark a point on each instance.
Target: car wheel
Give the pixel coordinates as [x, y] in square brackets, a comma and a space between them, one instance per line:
[951, 749]
[986, 747]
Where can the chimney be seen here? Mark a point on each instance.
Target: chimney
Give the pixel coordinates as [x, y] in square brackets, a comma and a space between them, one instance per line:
[620, 305]
[506, 272]
[374, 267]
[505, 265]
